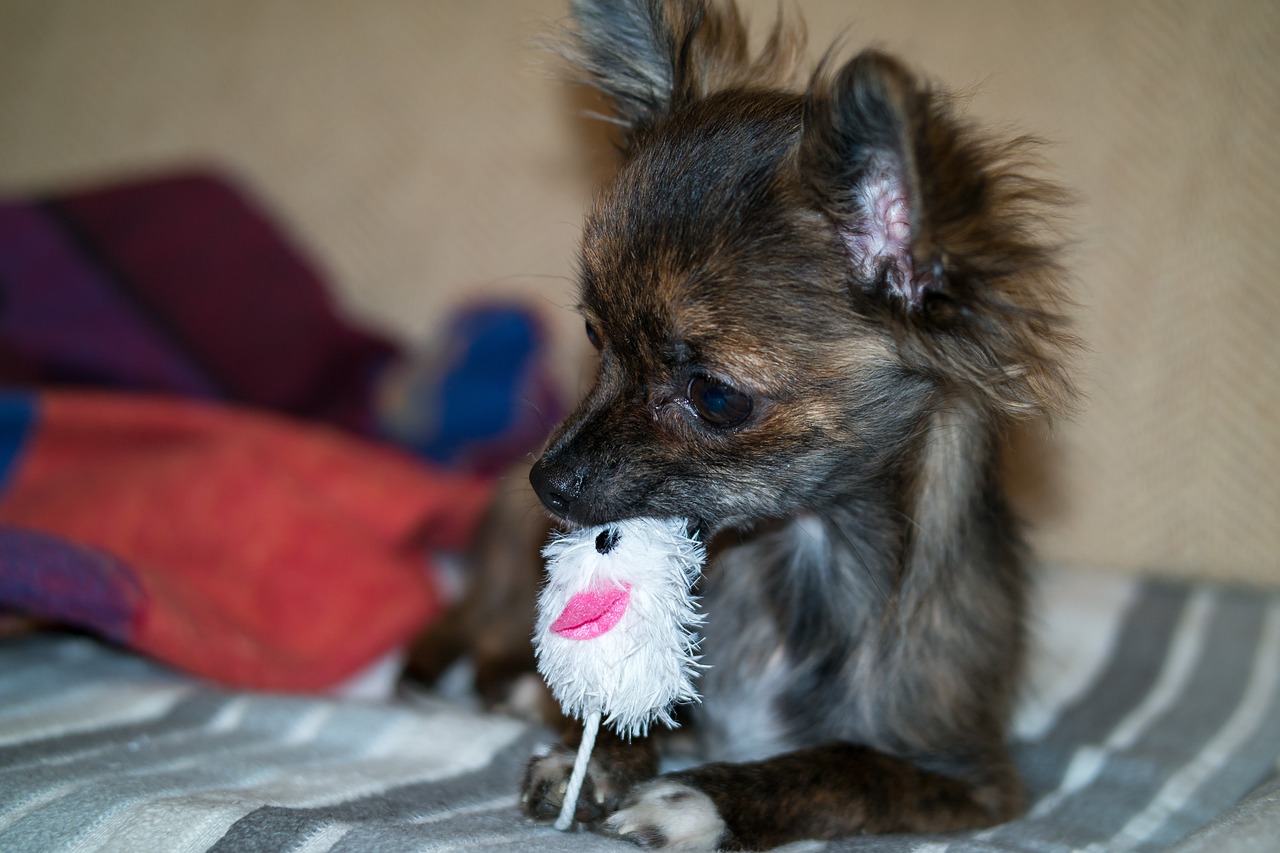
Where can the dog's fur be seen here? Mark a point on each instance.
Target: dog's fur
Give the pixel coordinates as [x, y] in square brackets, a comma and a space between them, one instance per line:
[818, 307]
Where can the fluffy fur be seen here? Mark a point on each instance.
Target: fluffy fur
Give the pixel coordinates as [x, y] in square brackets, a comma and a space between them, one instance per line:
[819, 307]
[637, 671]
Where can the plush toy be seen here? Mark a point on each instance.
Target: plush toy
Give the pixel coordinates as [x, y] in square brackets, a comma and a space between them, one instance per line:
[615, 632]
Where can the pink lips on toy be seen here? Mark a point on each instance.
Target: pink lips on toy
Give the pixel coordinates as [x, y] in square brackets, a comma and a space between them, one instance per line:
[592, 613]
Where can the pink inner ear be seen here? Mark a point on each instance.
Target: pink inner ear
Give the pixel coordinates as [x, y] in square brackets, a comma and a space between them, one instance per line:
[592, 613]
[881, 241]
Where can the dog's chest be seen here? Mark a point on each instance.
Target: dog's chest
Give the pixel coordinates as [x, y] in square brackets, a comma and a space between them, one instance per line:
[757, 676]
[740, 718]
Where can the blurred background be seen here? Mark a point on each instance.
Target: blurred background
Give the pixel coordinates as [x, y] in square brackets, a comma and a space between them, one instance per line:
[425, 154]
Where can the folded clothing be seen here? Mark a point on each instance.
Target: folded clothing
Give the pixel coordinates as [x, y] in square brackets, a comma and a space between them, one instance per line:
[248, 548]
[182, 284]
[198, 443]
[178, 284]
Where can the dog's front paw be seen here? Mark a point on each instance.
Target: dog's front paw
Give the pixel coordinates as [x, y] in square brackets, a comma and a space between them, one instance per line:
[546, 780]
[665, 814]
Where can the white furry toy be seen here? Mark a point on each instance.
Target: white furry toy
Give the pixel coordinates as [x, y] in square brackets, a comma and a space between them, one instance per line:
[614, 636]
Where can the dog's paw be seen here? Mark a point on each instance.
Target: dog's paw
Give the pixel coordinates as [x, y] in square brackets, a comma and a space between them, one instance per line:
[546, 780]
[665, 814]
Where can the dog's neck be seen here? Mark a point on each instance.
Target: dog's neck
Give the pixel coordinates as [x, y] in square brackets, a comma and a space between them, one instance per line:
[862, 591]
[942, 563]
[951, 482]
[940, 521]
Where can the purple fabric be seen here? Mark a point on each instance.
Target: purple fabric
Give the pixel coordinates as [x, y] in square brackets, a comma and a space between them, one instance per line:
[182, 285]
[63, 314]
[68, 583]
[179, 285]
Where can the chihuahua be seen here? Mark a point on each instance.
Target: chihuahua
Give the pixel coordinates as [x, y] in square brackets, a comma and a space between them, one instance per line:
[819, 303]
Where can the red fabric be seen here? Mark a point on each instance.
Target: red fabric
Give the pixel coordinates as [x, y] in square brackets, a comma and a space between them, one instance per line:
[270, 553]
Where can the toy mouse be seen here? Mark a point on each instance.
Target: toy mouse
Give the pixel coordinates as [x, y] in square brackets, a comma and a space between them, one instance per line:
[615, 630]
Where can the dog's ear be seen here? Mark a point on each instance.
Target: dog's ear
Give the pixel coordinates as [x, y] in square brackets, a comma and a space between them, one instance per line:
[629, 50]
[951, 232]
[650, 56]
[864, 127]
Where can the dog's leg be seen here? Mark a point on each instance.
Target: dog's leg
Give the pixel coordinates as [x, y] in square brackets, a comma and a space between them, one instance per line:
[616, 767]
[819, 793]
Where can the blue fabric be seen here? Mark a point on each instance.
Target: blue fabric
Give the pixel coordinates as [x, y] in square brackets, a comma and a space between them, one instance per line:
[480, 395]
[17, 418]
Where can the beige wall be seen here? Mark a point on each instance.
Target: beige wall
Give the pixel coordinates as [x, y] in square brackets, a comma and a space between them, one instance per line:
[425, 153]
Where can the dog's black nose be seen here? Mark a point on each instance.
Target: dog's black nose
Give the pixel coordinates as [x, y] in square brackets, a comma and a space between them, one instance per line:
[557, 492]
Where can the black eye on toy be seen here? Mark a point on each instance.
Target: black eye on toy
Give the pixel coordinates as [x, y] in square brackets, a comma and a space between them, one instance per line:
[718, 404]
[592, 335]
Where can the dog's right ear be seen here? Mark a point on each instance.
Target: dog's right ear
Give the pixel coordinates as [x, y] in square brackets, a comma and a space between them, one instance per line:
[650, 56]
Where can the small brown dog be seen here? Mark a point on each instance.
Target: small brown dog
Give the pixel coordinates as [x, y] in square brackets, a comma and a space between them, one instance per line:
[818, 309]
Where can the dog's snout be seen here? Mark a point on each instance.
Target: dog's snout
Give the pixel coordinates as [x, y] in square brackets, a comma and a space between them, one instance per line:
[558, 490]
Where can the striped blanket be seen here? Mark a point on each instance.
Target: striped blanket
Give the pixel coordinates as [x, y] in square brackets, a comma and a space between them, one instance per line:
[1152, 720]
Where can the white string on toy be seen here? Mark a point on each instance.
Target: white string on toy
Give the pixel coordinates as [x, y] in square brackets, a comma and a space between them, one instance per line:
[589, 729]
[615, 632]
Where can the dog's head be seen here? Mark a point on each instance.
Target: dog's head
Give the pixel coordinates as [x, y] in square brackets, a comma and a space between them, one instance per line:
[782, 283]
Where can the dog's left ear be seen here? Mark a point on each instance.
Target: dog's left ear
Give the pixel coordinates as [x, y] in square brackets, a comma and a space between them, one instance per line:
[865, 127]
[951, 232]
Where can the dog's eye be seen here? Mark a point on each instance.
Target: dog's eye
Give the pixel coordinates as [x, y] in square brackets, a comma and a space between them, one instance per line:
[592, 335]
[717, 403]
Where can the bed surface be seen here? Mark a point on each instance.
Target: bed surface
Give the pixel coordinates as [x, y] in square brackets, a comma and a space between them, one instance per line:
[1152, 719]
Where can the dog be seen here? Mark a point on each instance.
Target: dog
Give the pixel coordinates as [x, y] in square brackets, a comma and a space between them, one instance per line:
[820, 304]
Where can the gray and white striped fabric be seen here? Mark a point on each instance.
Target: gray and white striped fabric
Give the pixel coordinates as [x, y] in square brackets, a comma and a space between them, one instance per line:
[1152, 719]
